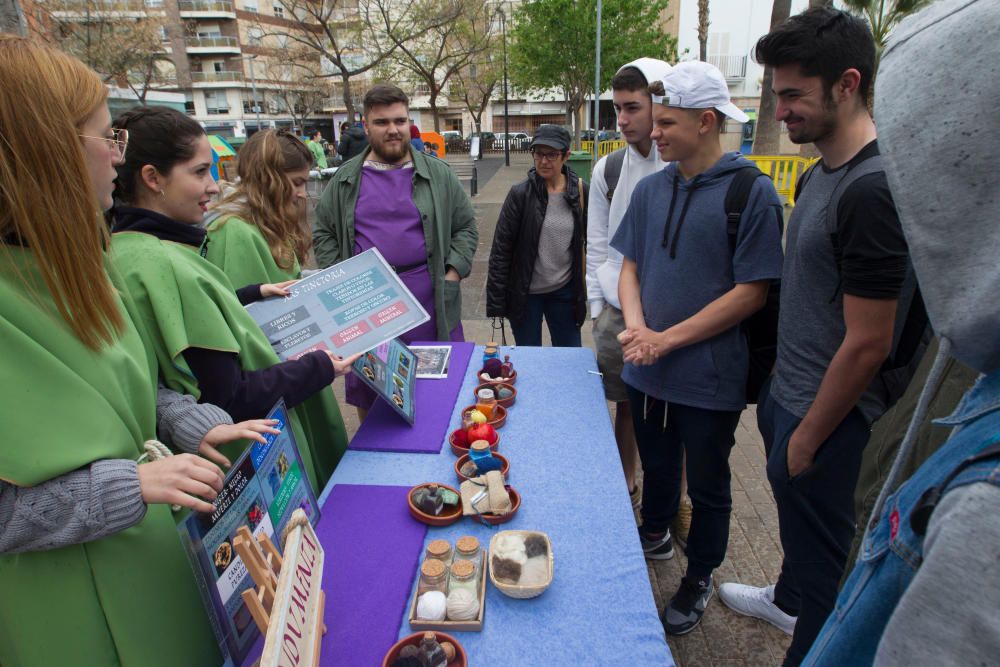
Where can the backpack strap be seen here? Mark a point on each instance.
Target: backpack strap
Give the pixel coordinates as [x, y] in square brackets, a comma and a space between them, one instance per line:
[613, 170]
[737, 197]
[803, 179]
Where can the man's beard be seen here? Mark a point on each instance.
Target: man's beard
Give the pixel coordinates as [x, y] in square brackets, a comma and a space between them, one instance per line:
[818, 129]
[389, 152]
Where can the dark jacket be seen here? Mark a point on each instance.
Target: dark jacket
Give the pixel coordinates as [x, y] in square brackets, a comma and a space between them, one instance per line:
[515, 245]
[353, 141]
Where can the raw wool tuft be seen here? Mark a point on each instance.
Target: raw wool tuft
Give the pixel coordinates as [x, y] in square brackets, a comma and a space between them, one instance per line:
[535, 545]
[432, 606]
[505, 569]
[510, 547]
[535, 572]
[463, 605]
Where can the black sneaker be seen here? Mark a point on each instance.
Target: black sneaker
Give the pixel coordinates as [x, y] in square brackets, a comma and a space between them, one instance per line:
[661, 548]
[684, 612]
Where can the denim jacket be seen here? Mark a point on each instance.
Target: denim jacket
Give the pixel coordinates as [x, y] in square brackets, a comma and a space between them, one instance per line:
[891, 552]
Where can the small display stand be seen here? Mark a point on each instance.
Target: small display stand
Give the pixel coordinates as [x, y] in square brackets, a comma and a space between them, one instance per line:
[287, 603]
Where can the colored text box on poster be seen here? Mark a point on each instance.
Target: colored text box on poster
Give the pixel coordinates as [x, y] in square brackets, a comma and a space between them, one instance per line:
[342, 338]
[312, 348]
[278, 327]
[362, 308]
[351, 289]
[387, 315]
[297, 338]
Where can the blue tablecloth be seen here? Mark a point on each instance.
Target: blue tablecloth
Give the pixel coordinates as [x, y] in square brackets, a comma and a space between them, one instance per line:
[564, 462]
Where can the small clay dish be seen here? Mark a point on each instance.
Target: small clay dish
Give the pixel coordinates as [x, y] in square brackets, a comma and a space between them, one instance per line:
[459, 450]
[496, 387]
[465, 457]
[499, 415]
[515, 502]
[448, 516]
[461, 659]
[508, 380]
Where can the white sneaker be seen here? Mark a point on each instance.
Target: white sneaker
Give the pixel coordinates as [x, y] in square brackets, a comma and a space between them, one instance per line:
[757, 602]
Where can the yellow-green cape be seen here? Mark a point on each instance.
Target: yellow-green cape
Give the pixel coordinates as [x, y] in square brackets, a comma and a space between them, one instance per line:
[127, 599]
[185, 301]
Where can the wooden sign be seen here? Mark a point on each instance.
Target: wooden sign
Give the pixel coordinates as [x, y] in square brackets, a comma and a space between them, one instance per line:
[288, 603]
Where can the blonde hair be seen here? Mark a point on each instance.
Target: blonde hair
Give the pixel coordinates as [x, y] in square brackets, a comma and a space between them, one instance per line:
[263, 197]
[47, 200]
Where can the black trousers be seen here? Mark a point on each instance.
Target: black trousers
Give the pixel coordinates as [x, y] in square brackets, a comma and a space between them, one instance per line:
[815, 517]
[706, 436]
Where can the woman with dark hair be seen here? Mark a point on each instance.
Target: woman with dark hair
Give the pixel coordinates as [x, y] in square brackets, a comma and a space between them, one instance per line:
[205, 342]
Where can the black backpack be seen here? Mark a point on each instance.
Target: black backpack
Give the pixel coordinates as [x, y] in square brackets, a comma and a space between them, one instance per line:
[761, 328]
[613, 170]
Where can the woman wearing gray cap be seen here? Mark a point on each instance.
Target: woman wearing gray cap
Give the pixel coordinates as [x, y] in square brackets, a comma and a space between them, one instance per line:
[536, 263]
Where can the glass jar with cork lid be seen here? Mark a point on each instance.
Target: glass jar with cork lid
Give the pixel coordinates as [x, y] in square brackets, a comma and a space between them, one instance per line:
[433, 577]
[463, 575]
[439, 550]
[467, 548]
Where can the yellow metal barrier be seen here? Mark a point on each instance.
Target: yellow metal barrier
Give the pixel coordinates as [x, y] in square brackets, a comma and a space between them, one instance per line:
[603, 147]
[784, 171]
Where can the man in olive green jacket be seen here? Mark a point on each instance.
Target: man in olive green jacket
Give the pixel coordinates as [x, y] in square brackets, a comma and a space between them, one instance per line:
[372, 193]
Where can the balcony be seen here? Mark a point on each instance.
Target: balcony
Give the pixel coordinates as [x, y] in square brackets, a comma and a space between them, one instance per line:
[106, 9]
[734, 68]
[206, 9]
[215, 79]
[213, 45]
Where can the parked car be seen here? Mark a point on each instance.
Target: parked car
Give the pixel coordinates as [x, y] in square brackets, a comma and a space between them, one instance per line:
[486, 139]
[518, 140]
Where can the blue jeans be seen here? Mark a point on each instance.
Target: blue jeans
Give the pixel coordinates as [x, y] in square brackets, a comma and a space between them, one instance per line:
[558, 307]
[707, 438]
[815, 516]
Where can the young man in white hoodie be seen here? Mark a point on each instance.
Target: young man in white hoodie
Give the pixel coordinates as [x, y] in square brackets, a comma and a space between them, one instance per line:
[613, 179]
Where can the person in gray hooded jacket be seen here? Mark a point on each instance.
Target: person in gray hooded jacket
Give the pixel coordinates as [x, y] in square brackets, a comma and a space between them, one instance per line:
[926, 586]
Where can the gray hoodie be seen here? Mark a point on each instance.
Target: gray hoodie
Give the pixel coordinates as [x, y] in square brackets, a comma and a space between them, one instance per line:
[936, 105]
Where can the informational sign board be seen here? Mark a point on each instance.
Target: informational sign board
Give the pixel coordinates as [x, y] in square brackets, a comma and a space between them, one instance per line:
[391, 371]
[350, 307]
[265, 485]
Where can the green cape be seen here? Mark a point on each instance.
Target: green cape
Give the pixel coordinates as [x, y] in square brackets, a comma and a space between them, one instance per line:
[185, 301]
[127, 599]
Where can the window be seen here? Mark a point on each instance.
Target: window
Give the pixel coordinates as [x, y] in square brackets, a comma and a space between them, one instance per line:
[164, 34]
[218, 66]
[250, 5]
[252, 106]
[254, 36]
[279, 10]
[216, 102]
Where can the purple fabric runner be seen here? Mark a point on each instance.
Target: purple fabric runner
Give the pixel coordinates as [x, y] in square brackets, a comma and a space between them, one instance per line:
[372, 548]
[385, 431]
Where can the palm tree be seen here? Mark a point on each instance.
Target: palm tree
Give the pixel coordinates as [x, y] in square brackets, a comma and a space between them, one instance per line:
[768, 136]
[882, 17]
[703, 30]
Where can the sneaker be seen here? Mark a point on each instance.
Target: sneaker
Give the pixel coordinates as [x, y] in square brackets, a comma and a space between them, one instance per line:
[684, 612]
[661, 548]
[757, 602]
[682, 522]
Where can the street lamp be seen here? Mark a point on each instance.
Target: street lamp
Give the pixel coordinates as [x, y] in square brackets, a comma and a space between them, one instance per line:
[506, 117]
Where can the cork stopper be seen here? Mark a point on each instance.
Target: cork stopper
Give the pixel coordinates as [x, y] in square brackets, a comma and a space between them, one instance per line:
[479, 446]
[432, 569]
[462, 569]
[467, 544]
[438, 549]
[430, 637]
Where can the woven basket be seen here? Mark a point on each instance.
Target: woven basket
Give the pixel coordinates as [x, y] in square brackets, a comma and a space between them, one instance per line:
[517, 590]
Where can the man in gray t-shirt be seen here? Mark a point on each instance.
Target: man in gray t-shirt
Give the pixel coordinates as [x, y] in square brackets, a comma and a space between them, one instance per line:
[842, 279]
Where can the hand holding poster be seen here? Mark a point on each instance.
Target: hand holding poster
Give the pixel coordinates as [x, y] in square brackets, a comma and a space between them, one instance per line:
[350, 307]
[264, 487]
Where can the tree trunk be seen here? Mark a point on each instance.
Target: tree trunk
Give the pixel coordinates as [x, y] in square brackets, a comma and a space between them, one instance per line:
[435, 91]
[12, 18]
[348, 98]
[703, 30]
[820, 3]
[768, 139]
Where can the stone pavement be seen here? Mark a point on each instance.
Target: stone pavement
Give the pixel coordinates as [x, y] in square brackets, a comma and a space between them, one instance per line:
[724, 639]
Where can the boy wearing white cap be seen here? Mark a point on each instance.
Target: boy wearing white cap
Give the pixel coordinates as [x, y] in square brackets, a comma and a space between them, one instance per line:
[688, 279]
[614, 178]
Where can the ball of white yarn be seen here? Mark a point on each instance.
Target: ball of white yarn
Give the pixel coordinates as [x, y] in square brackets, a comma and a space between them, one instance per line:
[510, 547]
[463, 605]
[432, 606]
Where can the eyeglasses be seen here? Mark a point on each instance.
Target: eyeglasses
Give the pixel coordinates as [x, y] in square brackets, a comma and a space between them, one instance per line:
[118, 142]
[545, 156]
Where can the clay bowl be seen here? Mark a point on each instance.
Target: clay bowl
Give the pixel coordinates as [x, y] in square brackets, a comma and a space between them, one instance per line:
[495, 386]
[499, 415]
[511, 380]
[447, 517]
[461, 659]
[515, 501]
[459, 450]
[461, 461]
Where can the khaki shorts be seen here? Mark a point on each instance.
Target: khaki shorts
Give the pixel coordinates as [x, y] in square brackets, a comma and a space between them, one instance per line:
[607, 326]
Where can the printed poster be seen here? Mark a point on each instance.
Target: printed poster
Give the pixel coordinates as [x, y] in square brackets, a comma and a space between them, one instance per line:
[432, 360]
[351, 307]
[262, 489]
[391, 371]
